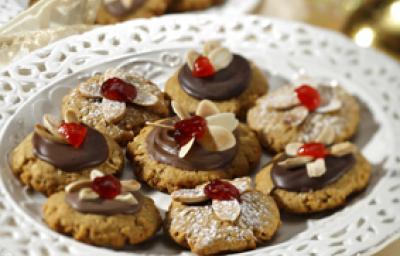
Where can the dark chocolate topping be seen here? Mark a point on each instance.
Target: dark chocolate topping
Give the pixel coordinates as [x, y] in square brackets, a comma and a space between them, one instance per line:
[117, 9]
[162, 147]
[103, 206]
[223, 85]
[297, 180]
[92, 152]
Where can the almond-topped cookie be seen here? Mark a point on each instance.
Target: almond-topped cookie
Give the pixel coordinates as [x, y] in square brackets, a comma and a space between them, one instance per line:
[312, 177]
[221, 216]
[117, 103]
[304, 113]
[60, 152]
[187, 150]
[231, 81]
[103, 211]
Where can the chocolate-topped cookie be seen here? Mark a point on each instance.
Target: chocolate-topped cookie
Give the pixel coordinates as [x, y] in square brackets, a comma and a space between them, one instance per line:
[61, 152]
[311, 177]
[231, 81]
[188, 150]
[103, 211]
[117, 103]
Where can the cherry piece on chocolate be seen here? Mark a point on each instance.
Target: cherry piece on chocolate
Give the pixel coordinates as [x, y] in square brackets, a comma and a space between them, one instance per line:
[118, 90]
[308, 97]
[202, 67]
[316, 150]
[74, 133]
[107, 187]
[221, 190]
[186, 129]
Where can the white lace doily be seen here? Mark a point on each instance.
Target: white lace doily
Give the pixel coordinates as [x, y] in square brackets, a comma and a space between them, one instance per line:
[155, 48]
[11, 8]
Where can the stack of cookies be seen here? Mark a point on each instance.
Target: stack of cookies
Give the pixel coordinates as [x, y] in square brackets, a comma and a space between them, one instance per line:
[198, 141]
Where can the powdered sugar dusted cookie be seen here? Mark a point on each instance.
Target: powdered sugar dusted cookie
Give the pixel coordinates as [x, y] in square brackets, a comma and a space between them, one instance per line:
[304, 114]
[221, 216]
[116, 103]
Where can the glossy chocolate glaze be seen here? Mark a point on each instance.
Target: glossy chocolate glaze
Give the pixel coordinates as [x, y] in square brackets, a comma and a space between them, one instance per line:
[223, 85]
[162, 147]
[297, 179]
[117, 9]
[103, 206]
[92, 152]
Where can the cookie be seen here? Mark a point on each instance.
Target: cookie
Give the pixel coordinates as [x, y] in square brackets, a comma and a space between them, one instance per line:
[46, 163]
[192, 5]
[94, 212]
[221, 216]
[173, 154]
[117, 103]
[301, 184]
[232, 82]
[304, 114]
[114, 11]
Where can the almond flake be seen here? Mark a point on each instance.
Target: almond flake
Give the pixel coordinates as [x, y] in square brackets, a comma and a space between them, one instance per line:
[226, 210]
[294, 162]
[206, 108]
[44, 133]
[51, 124]
[89, 90]
[342, 149]
[179, 111]
[186, 148]
[283, 99]
[326, 136]
[127, 3]
[127, 198]
[77, 185]
[70, 116]
[296, 116]
[145, 97]
[220, 58]
[95, 173]
[242, 184]
[87, 194]
[130, 185]
[316, 168]
[226, 120]
[191, 57]
[291, 149]
[210, 45]
[189, 195]
[332, 106]
[169, 127]
[113, 111]
[223, 138]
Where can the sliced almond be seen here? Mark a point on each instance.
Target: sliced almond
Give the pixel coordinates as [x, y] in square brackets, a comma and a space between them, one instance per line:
[70, 116]
[294, 162]
[316, 168]
[189, 195]
[127, 3]
[242, 184]
[206, 108]
[186, 148]
[291, 149]
[89, 90]
[342, 149]
[87, 194]
[223, 138]
[77, 185]
[145, 96]
[130, 185]
[127, 198]
[284, 98]
[169, 127]
[179, 111]
[326, 136]
[333, 106]
[44, 133]
[220, 58]
[52, 124]
[113, 111]
[191, 57]
[226, 210]
[296, 116]
[207, 141]
[95, 173]
[226, 120]
[210, 45]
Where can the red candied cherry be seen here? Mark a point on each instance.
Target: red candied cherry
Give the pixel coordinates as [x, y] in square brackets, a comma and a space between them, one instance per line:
[119, 90]
[221, 190]
[308, 97]
[186, 129]
[202, 67]
[107, 187]
[74, 133]
[316, 150]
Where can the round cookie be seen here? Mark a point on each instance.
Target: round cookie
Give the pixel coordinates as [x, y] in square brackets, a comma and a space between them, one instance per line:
[221, 226]
[103, 229]
[327, 197]
[119, 120]
[250, 89]
[191, 5]
[114, 11]
[157, 161]
[279, 118]
[45, 177]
